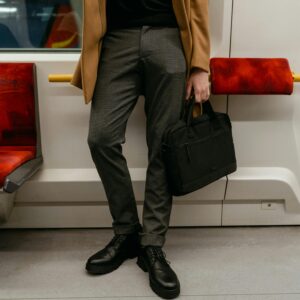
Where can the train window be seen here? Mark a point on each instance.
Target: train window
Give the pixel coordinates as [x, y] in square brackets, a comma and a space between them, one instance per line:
[40, 24]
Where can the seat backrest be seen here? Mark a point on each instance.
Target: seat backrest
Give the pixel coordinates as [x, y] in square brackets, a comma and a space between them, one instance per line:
[17, 104]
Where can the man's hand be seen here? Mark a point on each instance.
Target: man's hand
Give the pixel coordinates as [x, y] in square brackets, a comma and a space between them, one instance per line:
[199, 81]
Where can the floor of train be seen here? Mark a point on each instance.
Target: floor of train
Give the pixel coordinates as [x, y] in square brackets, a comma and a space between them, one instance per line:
[211, 263]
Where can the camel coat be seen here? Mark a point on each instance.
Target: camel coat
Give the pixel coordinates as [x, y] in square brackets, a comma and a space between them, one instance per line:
[193, 21]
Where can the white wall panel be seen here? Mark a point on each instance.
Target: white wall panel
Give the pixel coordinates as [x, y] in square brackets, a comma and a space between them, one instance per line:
[265, 127]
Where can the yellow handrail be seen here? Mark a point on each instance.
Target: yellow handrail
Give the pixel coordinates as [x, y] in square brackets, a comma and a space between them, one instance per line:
[296, 77]
[68, 77]
[60, 77]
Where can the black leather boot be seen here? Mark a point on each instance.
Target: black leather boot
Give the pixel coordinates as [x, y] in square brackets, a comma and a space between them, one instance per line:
[163, 280]
[120, 248]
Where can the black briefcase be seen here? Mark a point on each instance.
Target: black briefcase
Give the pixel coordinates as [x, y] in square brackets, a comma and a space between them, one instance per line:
[197, 150]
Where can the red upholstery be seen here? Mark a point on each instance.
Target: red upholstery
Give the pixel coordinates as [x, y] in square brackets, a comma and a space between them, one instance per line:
[11, 159]
[17, 116]
[250, 76]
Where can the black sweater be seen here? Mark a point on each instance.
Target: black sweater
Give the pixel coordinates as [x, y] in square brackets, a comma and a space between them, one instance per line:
[135, 13]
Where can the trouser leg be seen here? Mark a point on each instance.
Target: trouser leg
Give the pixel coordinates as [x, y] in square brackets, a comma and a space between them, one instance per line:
[164, 74]
[116, 92]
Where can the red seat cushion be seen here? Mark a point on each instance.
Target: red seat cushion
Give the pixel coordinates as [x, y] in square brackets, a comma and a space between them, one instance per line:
[12, 157]
[237, 75]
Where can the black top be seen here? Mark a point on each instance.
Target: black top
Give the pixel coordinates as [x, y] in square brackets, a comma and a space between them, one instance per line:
[132, 13]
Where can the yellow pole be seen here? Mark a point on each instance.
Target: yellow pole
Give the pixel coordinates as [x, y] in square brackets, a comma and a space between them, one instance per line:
[296, 77]
[60, 77]
[68, 77]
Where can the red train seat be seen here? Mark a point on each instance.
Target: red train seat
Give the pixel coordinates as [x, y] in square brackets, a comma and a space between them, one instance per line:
[20, 148]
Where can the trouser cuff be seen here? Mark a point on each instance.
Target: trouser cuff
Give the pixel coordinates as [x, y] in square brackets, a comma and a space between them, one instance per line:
[148, 239]
[127, 229]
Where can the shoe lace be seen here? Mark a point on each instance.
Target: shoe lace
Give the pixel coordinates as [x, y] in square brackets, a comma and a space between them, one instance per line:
[158, 254]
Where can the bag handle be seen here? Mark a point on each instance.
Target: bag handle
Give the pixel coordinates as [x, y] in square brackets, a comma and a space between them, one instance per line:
[187, 108]
[206, 107]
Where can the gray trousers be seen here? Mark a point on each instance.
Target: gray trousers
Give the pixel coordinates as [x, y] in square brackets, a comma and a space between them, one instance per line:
[136, 61]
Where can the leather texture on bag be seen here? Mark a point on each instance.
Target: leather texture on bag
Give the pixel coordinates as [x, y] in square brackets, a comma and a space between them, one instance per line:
[198, 151]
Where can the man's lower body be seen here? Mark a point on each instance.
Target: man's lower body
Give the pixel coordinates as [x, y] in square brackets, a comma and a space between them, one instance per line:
[137, 61]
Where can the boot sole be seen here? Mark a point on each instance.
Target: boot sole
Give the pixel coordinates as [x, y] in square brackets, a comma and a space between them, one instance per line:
[99, 270]
[160, 291]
